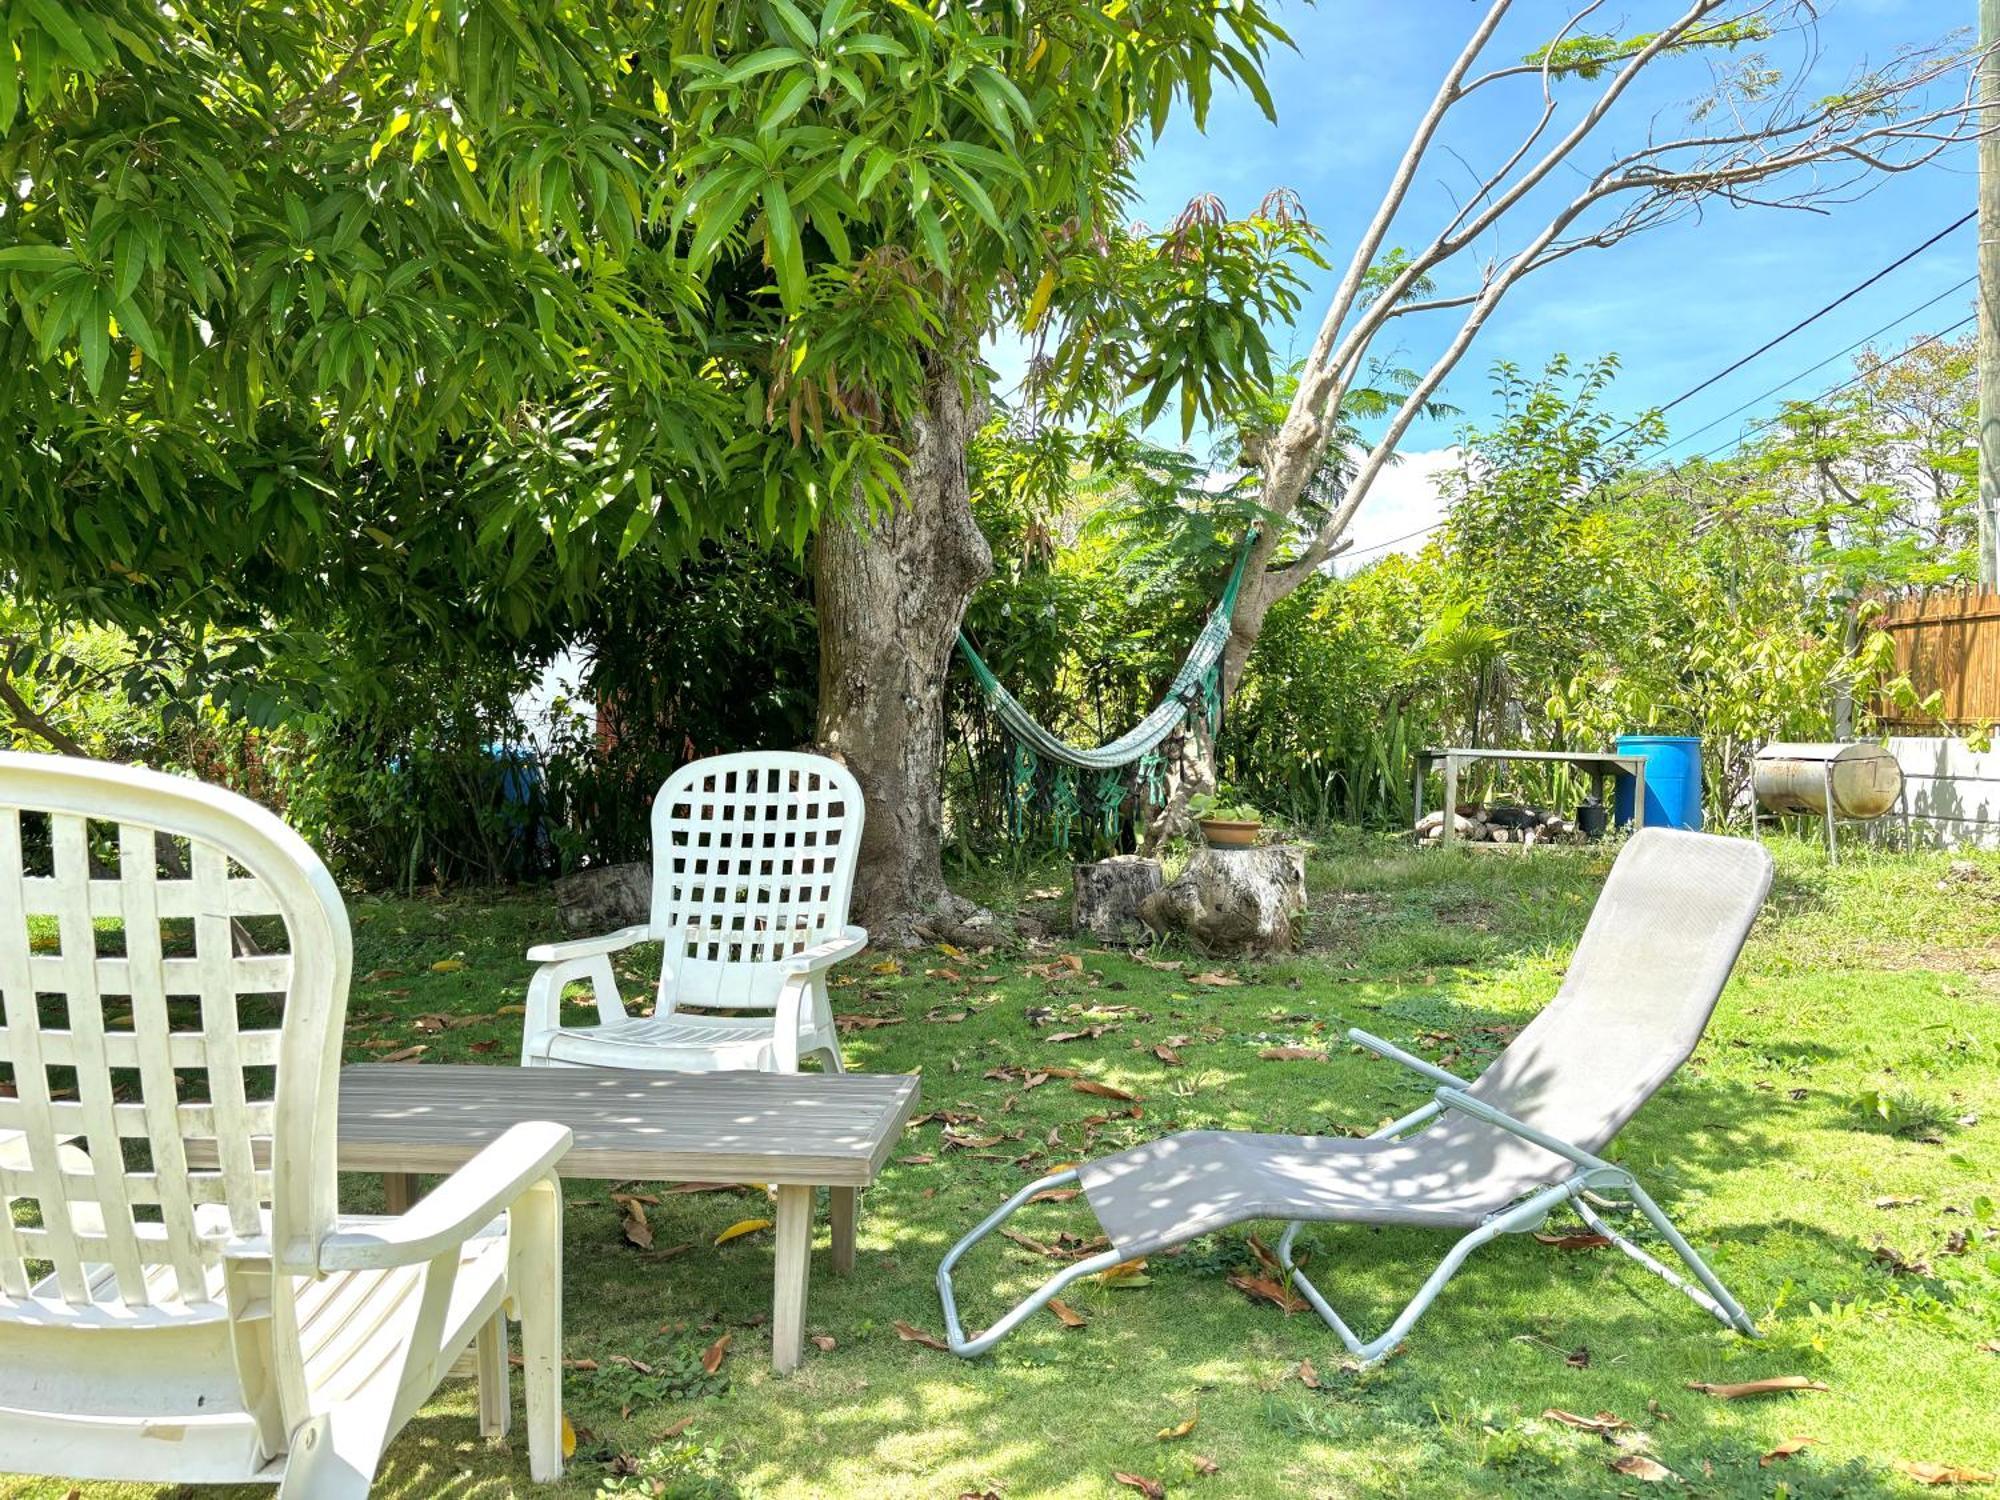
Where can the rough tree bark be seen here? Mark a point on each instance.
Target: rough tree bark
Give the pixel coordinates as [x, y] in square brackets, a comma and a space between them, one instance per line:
[891, 593]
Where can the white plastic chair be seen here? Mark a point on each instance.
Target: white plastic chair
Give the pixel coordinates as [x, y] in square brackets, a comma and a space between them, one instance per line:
[182, 1303]
[753, 864]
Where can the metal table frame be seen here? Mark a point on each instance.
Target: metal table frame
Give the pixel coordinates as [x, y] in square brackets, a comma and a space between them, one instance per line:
[1632, 767]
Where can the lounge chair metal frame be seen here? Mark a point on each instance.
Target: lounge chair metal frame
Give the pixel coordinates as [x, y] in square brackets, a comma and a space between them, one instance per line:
[1593, 1175]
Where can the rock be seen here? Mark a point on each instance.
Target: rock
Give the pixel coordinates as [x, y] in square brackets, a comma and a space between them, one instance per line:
[593, 902]
[1108, 894]
[1232, 901]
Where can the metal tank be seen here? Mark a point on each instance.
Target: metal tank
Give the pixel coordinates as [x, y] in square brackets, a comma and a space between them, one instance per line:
[1830, 781]
[1863, 781]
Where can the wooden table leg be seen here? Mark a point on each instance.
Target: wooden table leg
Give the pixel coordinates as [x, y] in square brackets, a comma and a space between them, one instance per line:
[399, 1191]
[788, 1308]
[843, 1205]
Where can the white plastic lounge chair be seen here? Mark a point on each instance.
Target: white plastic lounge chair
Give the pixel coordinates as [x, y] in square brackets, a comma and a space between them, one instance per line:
[1491, 1157]
[753, 864]
[184, 1304]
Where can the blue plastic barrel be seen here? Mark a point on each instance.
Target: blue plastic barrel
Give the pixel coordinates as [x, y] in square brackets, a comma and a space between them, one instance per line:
[1673, 780]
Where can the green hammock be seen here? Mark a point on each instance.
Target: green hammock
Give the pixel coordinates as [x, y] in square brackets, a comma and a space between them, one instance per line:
[1069, 783]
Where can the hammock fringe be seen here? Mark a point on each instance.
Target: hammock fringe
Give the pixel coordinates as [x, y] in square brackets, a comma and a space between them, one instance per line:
[1043, 761]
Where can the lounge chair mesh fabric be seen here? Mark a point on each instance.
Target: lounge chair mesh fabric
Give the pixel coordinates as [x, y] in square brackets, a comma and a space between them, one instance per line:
[1657, 951]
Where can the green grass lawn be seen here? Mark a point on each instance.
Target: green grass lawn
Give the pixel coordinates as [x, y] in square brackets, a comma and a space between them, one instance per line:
[1832, 1148]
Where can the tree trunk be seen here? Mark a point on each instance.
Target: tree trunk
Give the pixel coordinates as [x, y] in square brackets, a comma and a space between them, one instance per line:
[890, 594]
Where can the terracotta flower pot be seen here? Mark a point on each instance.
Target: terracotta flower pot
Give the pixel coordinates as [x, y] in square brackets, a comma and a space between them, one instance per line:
[1228, 833]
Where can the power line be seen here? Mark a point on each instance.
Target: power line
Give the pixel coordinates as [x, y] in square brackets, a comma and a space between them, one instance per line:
[1848, 384]
[1808, 321]
[1764, 395]
[1754, 427]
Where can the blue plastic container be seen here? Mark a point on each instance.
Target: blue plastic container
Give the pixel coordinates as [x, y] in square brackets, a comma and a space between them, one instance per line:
[1673, 780]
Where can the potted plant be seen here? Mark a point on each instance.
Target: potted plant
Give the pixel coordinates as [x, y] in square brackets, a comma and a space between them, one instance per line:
[1226, 823]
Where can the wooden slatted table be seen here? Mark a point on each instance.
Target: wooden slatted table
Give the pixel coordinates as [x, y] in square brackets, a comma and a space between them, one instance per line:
[796, 1131]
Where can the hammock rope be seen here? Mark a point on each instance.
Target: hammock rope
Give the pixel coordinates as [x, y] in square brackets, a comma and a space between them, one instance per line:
[1079, 787]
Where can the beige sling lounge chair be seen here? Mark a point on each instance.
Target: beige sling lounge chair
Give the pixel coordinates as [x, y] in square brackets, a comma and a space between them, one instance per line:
[1487, 1158]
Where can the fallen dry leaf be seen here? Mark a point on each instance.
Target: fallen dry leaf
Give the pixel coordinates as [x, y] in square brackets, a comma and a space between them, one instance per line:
[1775, 1385]
[1308, 1376]
[1929, 1473]
[824, 1343]
[404, 1054]
[911, 1335]
[711, 1357]
[1068, 1316]
[1268, 1290]
[916, 1161]
[1785, 1449]
[666, 1434]
[1292, 1054]
[1204, 1465]
[1152, 1489]
[886, 966]
[634, 1224]
[447, 966]
[1104, 1091]
[1178, 1431]
[1212, 977]
[1127, 1273]
[568, 1437]
[1168, 1056]
[1055, 1195]
[1638, 1466]
[1578, 1241]
[1897, 1202]
[1603, 1424]
[740, 1228]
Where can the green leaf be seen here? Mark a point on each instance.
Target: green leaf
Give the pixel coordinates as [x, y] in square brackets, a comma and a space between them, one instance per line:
[781, 243]
[766, 61]
[36, 257]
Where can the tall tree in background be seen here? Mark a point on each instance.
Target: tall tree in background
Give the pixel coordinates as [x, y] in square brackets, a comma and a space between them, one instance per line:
[873, 191]
[1582, 175]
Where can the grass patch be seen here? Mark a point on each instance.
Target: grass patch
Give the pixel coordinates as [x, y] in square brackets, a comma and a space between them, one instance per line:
[1863, 1241]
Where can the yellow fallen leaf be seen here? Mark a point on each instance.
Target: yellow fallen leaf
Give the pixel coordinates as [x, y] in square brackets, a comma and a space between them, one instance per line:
[886, 966]
[1638, 1466]
[1772, 1386]
[568, 1438]
[447, 966]
[1788, 1448]
[1126, 1273]
[1178, 1430]
[741, 1228]
[1930, 1473]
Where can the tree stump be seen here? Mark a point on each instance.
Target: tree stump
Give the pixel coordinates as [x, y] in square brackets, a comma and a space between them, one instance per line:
[1108, 895]
[593, 902]
[1231, 901]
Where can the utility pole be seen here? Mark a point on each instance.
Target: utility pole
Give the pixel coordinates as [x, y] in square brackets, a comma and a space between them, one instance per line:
[1989, 294]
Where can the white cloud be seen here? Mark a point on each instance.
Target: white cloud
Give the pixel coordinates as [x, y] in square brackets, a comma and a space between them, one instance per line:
[1404, 500]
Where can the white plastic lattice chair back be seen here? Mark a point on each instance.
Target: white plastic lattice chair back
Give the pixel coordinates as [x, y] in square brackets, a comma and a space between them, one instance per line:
[198, 1080]
[753, 862]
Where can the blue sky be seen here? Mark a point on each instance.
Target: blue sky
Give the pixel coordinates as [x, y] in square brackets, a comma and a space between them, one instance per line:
[1676, 304]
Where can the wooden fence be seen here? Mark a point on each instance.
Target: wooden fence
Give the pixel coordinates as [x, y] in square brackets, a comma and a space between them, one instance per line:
[1948, 644]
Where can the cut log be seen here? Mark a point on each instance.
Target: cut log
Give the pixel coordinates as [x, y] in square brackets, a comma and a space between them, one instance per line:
[1108, 894]
[593, 902]
[1234, 900]
[1432, 826]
